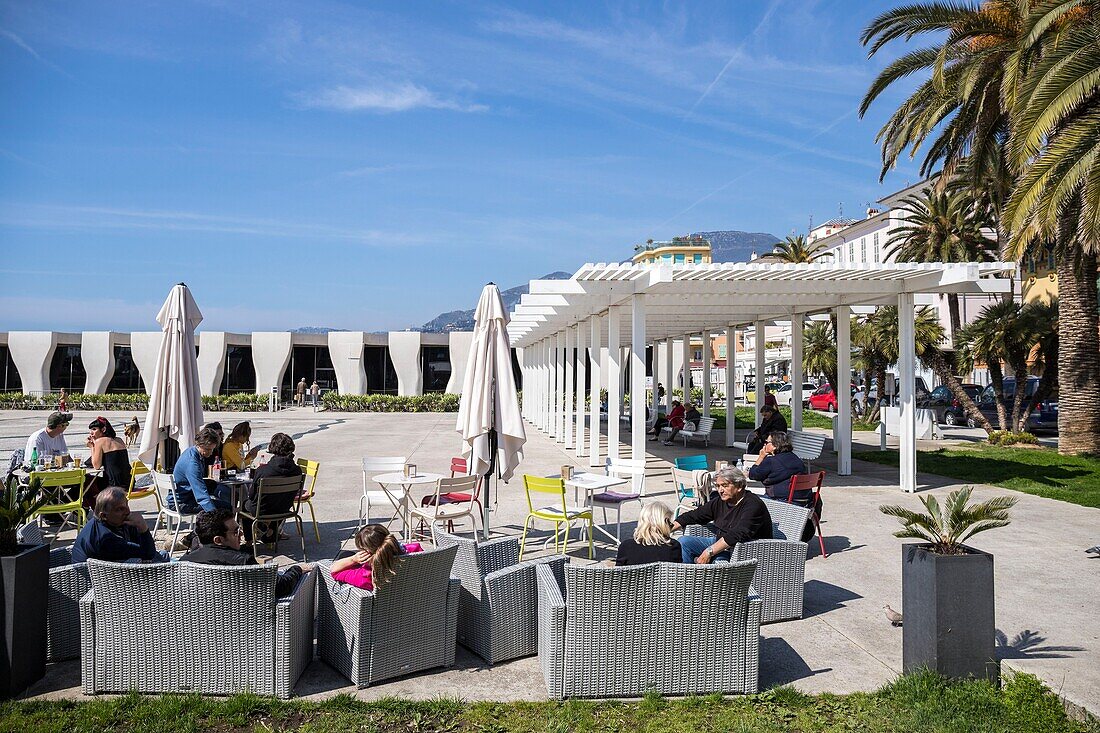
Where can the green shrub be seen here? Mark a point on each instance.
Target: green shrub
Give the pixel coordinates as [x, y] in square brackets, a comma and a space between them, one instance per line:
[432, 402]
[1009, 437]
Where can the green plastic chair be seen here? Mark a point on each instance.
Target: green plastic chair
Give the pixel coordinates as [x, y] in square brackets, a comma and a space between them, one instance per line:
[554, 487]
[53, 482]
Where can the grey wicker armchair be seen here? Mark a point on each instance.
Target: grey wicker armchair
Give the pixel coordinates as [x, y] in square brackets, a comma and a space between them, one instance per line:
[670, 628]
[405, 626]
[498, 605]
[781, 569]
[184, 627]
[68, 584]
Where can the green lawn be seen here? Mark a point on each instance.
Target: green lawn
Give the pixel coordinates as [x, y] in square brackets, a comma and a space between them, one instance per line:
[810, 419]
[922, 702]
[1039, 471]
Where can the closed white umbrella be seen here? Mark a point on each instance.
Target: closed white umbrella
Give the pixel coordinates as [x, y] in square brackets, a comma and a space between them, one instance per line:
[488, 413]
[175, 400]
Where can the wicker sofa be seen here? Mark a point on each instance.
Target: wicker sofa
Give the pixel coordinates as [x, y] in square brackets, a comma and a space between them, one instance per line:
[498, 605]
[781, 561]
[670, 628]
[183, 627]
[68, 584]
[405, 626]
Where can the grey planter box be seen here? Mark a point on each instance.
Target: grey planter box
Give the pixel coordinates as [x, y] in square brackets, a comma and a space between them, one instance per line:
[24, 584]
[948, 610]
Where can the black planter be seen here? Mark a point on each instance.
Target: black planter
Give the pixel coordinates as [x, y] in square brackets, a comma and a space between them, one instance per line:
[24, 583]
[948, 610]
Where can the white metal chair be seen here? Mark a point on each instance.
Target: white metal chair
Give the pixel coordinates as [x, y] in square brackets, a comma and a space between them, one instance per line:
[689, 488]
[444, 511]
[389, 498]
[631, 468]
[166, 487]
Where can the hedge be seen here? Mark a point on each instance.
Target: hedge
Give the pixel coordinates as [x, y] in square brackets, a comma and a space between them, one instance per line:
[243, 402]
[432, 402]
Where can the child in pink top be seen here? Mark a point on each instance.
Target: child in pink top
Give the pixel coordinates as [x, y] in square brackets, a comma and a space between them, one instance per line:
[373, 563]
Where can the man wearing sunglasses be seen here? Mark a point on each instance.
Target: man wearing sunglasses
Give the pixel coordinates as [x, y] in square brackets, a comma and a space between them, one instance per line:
[220, 536]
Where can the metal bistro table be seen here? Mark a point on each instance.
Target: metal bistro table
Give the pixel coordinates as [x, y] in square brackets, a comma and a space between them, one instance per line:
[401, 504]
[238, 486]
[595, 483]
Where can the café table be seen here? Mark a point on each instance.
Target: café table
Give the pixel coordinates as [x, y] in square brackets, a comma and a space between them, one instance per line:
[595, 483]
[401, 503]
[238, 486]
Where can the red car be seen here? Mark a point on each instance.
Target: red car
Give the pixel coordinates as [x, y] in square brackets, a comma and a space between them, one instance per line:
[825, 398]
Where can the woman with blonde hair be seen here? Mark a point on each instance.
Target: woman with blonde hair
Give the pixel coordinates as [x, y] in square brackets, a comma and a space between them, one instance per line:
[652, 540]
[372, 565]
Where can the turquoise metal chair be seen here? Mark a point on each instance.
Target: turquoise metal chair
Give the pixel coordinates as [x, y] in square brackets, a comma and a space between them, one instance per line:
[685, 490]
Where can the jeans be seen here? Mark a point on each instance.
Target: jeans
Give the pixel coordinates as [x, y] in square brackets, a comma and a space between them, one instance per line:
[692, 547]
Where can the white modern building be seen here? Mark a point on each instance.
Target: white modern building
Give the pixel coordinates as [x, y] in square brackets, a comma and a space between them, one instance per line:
[353, 362]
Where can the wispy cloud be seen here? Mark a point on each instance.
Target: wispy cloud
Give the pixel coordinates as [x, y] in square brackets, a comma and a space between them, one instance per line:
[27, 47]
[96, 217]
[383, 100]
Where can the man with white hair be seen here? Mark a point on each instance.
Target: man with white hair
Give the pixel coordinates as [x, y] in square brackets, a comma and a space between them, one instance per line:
[114, 533]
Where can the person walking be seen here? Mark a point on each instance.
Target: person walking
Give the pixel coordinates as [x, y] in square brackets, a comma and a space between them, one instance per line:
[300, 394]
[315, 393]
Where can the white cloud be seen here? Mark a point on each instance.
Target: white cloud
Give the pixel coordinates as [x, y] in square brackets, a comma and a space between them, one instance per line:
[400, 98]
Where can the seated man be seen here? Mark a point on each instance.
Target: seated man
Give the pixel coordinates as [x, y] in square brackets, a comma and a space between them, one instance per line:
[775, 465]
[190, 477]
[221, 545]
[281, 465]
[50, 440]
[771, 420]
[692, 415]
[114, 533]
[738, 515]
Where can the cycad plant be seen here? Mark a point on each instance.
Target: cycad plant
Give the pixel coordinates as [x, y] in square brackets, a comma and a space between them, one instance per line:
[946, 528]
[18, 505]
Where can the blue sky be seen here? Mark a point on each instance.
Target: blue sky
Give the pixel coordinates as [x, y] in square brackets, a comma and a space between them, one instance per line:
[369, 165]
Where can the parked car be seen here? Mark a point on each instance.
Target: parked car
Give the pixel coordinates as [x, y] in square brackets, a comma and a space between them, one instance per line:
[948, 410]
[1043, 416]
[783, 394]
[824, 398]
[920, 389]
[750, 394]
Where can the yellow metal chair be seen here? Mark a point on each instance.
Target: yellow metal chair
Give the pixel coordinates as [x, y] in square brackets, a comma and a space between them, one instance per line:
[53, 482]
[132, 492]
[557, 513]
[309, 489]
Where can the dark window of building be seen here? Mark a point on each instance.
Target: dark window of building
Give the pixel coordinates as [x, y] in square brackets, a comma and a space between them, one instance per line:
[381, 376]
[240, 372]
[518, 373]
[126, 378]
[8, 372]
[435, 364]
[311, 362]
[67, 369]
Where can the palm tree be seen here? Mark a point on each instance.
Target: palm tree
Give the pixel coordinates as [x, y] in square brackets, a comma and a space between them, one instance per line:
[819, 350]
[1003, 334]
[941, 227]
[876, 336]
[1056, 126]
[794, 250]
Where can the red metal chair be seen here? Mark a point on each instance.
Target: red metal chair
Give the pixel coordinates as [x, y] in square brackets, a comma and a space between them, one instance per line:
[809, 482]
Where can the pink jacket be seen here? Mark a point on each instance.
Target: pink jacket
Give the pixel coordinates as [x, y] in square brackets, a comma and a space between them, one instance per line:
[360, 575]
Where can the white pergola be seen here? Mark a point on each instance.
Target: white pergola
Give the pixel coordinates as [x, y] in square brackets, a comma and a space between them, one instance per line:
[615, 310]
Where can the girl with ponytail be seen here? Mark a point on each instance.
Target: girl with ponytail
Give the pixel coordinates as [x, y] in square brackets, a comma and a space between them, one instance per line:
[372, 565]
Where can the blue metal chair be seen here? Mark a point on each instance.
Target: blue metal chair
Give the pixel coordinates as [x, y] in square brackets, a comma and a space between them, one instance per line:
[685, 490]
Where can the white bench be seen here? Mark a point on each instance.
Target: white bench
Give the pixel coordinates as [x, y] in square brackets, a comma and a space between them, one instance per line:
[701, 432]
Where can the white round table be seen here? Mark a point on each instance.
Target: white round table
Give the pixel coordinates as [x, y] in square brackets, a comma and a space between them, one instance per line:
[398, 478]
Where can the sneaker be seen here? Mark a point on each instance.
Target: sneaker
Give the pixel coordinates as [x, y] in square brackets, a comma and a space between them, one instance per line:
[666, 442]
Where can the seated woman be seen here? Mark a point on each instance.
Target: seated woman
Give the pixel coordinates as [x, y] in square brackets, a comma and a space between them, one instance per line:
[235, 453]
[775, 465]
[674, 420]
[372, 565]
[652, 540]
[108, 453]
[282, 464]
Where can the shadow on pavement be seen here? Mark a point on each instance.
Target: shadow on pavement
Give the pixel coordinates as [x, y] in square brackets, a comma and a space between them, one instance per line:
[821, 597]
[780, 664]
[1028, 644]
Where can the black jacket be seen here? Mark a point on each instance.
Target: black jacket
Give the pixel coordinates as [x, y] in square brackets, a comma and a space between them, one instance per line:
[632, 553]
[221, 555]
[742, 522]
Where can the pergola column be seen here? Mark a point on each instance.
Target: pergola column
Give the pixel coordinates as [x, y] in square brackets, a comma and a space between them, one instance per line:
[637, 383]
[614, 382]
[567, 412]
[759, 342]
[731, 383]
[796, 371]
[582, 371]
[843, 390]
[907, 406]
[686, 346]
[594, 392]
[668, 373]
[545, 404]
[556, 384]
[706, 372]
[654, 364]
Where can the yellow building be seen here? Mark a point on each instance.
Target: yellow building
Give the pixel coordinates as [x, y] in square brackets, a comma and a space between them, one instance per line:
[1040, 282]
[681, 250]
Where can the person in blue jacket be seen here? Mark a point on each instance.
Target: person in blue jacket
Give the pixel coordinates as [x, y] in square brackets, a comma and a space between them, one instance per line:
[115, 533]
[775, 465]
[196, 492]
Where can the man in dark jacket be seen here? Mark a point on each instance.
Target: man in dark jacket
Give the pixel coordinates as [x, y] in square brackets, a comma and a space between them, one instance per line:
[771, 421]
[281, 465]
[737, 515]
[114, 533]
[221, 545]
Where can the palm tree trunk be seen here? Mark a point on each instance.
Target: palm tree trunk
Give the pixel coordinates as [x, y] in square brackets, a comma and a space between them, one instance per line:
[956, 319]
[1079, 356]
[997, 377]
[940, 366]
